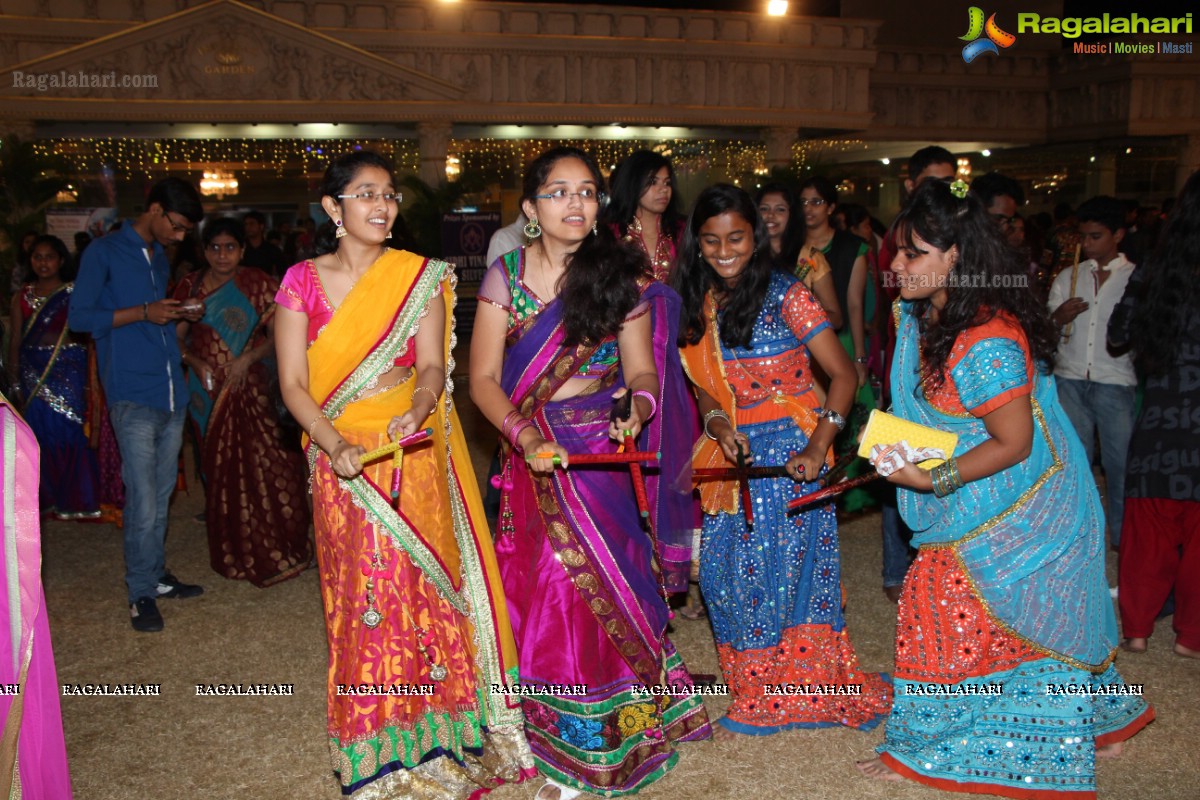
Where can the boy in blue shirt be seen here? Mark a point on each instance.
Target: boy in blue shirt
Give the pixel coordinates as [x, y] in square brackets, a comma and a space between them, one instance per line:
[120, 299]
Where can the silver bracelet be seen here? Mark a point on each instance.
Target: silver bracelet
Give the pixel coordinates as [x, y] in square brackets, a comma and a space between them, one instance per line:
[710, 416]
[837, 419]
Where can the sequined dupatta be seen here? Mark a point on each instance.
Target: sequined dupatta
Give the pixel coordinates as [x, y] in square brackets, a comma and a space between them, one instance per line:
[588, 514]
[368, 331]
[1040, 571]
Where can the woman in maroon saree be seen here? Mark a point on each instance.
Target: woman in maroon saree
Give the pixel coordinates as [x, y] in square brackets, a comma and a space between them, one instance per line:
[584, 581]
[255, 504]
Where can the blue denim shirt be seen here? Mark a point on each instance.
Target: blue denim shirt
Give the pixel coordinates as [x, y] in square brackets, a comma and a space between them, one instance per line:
[139, 362]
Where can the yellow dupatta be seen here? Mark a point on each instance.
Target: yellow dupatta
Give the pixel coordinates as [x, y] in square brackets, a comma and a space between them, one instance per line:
[366, 333]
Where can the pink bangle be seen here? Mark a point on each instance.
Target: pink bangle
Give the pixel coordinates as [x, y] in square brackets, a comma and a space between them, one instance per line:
[515, 434]
[512, 418]
[650, 399]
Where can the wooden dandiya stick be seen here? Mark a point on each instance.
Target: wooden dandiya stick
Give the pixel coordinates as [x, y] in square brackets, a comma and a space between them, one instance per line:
[639, 482]
[841, 465]
[732, 473]
[392, 447]
[1070, 328]
[798, 503]
[585, 459]
[743, 479]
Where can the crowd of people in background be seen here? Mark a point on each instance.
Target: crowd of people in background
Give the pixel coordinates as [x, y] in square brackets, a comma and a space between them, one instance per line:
[750, 339]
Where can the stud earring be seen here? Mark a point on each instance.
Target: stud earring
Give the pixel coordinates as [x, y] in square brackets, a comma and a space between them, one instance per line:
[532, 229]
[338, 230]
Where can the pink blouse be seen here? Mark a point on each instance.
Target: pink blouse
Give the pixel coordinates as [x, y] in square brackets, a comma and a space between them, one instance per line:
[301, 290]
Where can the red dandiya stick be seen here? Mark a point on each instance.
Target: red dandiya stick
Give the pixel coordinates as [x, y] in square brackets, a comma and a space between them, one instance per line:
[831, 491]
[582, 459]
[639, 483]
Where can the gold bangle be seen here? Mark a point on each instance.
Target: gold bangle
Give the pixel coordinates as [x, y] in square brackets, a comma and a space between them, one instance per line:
[312, 426]
[431, 392]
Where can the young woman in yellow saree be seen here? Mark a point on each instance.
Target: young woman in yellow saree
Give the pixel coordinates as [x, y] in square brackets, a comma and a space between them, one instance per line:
[417, 625]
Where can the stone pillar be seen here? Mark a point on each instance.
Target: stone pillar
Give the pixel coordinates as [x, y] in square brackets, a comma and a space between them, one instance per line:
[1189, 160]
[433, 142]
[779, 147]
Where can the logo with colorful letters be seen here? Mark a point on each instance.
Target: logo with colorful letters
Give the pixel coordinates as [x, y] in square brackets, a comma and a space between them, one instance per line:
[976, 28]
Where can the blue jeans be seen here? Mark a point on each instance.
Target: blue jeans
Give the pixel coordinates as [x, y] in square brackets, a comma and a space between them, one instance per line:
[1107, 408]
[149, 440]
[897, 555]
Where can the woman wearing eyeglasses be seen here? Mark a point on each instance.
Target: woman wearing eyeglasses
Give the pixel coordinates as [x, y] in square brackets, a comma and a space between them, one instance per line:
[255, 535]
[847, 257]
[417, 626]
[565, 325]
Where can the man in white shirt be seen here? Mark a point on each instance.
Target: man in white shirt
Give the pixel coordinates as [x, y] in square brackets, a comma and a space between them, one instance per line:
[1096, 388]
[508, 238]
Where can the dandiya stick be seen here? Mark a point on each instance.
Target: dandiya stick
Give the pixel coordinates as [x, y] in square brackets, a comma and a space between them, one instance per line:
[392, 447]
[1067, 331]
[733, 473]
[744, 487]
[831, 491]
[584, 459]
[639, 483]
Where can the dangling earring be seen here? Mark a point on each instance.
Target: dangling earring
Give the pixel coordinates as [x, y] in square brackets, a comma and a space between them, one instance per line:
[389, 235]
[532, 229]
[594, 231]
[338, 230]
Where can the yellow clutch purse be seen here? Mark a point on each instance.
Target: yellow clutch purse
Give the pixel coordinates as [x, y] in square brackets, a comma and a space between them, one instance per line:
[885, 429]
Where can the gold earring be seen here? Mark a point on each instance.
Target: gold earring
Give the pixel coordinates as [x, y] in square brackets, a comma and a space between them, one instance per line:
[338, 230]
[532, 229]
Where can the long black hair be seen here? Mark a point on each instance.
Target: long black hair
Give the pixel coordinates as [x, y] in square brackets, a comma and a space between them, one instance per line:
[1172, 296]
[989, 277]
[338, 175]
[632, 177]
[600, 285]
[793, 234]
[694, 276]
[66, 267]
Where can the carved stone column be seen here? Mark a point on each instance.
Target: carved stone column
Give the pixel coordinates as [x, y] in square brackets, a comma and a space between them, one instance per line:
[779, 147]
[1189, 160]
[433, 141]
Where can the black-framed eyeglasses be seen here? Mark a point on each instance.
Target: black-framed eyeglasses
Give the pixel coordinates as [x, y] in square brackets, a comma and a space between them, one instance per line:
[561, 196]
[227, 247]
[815, 202]
[371, 197]
[175, 226]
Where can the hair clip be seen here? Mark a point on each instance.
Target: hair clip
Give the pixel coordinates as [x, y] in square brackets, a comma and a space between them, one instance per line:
[959, 188]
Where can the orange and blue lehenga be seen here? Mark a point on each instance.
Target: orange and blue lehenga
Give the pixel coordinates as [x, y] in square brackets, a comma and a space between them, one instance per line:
[774, 591]
[412, 711]
[1006, 631]
[580, 572]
